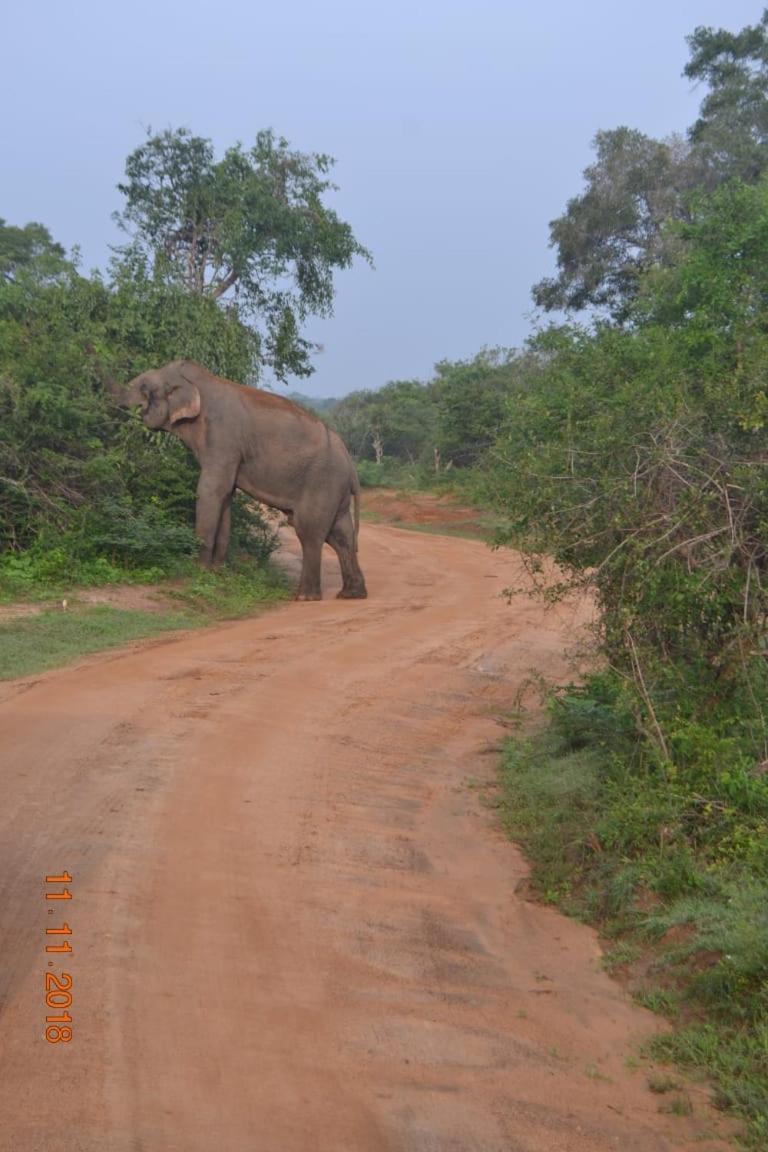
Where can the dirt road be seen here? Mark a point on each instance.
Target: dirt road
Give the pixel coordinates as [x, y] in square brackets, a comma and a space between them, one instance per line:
[294, 925]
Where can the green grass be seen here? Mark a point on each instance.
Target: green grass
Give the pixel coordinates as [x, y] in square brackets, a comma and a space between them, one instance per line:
[230, 592]
[659, 1000]
[54, 637]
[662, 1084]
[677, 887]
[737, 1060]
[621, 955]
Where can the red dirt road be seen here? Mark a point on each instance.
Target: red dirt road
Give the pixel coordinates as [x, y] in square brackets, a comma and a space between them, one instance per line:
[294, 925]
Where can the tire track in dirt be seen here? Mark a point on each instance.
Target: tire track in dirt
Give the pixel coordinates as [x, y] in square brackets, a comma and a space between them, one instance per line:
[295, 926]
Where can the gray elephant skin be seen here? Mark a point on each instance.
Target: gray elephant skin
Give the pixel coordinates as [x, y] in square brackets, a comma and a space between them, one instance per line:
[266, 446]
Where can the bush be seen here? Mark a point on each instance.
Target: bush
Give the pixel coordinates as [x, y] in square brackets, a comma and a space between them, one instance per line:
[147, 536]
[390, 473]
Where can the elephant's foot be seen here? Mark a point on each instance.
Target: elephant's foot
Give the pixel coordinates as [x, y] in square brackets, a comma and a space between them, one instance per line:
[352, 594]
[308, 596]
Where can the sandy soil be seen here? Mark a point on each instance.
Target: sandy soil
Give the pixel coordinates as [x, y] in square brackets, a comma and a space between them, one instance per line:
[295, 927]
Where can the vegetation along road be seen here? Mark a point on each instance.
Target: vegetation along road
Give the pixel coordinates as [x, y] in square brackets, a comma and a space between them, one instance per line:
[294, 924]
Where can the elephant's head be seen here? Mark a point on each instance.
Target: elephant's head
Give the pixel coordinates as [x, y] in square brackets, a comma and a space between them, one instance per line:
[165, 395]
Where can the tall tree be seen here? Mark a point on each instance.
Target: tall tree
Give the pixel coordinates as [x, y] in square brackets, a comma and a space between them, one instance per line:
[614, 231]
[31, 251]
[731, 131]
[611, 232]
[251, 228]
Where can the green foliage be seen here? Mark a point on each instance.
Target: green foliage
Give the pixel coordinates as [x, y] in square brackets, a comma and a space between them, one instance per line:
[322, 405]
[251, 227]
[252, 535]
[33, 644]
[471, 400]
[614, 232]
[75, 473]
[30, 253]
[551, 809]
[229, 593]
[731, 131]
[391, 473]
[637, 462]
[664, 1084]
[616, 838]
[40, 573]
[148, 536]
[735, 1058]
[431, 428]
[398, 421]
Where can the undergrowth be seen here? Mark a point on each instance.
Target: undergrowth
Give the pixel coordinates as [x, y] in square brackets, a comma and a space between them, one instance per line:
[672, 866]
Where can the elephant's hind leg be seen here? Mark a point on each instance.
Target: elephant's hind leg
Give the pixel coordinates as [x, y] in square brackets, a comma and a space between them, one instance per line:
[311, 541]
[342, 539]
[222, 535]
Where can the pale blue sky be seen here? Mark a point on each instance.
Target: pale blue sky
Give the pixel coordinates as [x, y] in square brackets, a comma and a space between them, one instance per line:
[460, 130]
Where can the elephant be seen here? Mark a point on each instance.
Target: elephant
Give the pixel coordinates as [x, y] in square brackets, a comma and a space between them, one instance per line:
[266, 446]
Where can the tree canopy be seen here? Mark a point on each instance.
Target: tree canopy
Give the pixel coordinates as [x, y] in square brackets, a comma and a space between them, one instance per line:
[29, 251]
[252, 227]
[614, 230]
[731, 131]
[611, 232]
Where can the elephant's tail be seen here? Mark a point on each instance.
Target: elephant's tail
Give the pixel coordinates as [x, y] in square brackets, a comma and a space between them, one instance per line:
[356, 496]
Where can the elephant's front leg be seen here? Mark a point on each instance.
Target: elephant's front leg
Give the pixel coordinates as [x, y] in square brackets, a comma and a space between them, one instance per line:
[213, 492]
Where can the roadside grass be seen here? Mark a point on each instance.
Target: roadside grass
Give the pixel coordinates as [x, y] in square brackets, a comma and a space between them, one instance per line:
[231, 592]
[676, 883]
[53, 637]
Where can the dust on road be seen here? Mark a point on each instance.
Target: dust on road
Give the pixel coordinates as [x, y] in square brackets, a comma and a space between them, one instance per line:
[295, 927]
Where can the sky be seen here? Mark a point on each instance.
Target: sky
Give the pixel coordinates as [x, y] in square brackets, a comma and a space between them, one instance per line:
[459, 129]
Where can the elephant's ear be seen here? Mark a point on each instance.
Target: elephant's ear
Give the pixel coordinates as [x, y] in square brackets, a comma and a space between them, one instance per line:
[184, 401]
